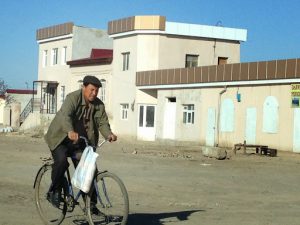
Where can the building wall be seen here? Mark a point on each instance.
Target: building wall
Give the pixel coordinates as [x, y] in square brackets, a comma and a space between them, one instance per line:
[251, 97]
[101, 72]
[78, 46]
[23, 99]
[123, 84]
[84, 39]
[2, 104]
[172, 51]
[60, 72]
[154, 52]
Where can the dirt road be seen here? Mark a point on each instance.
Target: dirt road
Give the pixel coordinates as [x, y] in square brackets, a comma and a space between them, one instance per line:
[166, 185]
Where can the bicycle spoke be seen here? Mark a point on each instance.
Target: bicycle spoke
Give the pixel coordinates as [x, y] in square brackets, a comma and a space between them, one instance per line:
[114, 199]
[49, 213]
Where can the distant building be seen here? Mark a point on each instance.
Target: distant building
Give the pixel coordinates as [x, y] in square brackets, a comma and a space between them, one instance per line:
[173, 81]
[57, 45]
[150, 43]
[2, 105]
[15, 105]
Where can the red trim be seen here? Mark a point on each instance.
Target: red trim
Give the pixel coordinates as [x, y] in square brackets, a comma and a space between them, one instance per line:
[98, 57]
[101, 53]
[20, 91]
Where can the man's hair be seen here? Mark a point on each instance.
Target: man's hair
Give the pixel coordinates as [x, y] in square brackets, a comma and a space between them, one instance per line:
[91, 80]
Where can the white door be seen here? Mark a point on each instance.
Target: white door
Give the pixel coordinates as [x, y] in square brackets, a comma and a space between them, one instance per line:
[146, 125]
[169, 120]
[296, 144]
[250, 129]
[210, 127]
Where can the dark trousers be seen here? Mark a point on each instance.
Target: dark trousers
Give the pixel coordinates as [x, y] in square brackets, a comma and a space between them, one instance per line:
[60, 165]
[60, 154]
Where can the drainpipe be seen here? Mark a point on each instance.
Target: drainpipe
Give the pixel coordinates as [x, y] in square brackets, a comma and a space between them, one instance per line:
[218, 118]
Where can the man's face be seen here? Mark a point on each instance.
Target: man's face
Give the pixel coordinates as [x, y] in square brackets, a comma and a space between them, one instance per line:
[90, 92]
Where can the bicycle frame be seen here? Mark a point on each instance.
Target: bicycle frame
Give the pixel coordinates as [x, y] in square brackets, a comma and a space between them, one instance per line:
[71, 190]
[100, 188]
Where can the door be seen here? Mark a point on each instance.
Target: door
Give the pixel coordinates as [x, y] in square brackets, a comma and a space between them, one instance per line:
[210, 127]
[296, 142]
[169, 120]
[146, 125]
[250, 129]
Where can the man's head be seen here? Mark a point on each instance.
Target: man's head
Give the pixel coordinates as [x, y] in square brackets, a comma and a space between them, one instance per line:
[91, 85]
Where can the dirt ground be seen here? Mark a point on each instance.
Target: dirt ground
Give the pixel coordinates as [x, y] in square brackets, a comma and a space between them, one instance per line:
[166, 184]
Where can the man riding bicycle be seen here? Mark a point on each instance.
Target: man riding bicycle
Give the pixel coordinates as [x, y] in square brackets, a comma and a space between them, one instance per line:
[81, 114]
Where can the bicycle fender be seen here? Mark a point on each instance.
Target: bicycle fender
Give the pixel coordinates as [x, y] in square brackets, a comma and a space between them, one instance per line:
[43, 167]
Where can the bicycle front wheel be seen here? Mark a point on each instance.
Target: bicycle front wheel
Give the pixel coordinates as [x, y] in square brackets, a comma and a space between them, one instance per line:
[48, 213]
[112, 205]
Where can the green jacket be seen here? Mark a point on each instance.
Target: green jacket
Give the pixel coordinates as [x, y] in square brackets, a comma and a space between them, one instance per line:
[72, 110]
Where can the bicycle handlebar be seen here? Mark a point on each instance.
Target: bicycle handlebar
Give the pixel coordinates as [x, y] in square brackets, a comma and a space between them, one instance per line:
[87, 142]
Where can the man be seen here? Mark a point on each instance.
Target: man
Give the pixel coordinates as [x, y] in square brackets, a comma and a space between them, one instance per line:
[82, 114]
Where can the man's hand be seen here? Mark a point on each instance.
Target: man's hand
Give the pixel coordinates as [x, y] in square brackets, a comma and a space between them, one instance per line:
[112, 137]
[73, 136]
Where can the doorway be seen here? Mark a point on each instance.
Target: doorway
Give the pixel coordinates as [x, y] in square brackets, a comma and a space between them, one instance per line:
[169, 119]
[146, 122]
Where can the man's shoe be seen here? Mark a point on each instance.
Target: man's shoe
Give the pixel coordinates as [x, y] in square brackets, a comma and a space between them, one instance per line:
[95, 211]
[54, 197]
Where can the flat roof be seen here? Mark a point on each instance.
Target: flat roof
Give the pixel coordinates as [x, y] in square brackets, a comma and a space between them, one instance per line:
[159, 25]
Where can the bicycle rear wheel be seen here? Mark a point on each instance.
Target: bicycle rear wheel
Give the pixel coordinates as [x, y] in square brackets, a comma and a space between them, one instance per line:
[112, 201]
[48, 213]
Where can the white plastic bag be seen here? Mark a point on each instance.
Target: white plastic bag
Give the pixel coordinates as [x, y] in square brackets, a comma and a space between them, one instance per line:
[85, 170]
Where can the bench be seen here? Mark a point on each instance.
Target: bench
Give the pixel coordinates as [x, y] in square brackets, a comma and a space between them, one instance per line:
[259, 149]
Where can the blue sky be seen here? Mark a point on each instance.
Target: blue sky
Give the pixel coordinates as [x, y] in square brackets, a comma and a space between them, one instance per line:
[273, 26]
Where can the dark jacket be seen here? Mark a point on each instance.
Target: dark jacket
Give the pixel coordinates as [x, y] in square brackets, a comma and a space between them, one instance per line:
[71, 112]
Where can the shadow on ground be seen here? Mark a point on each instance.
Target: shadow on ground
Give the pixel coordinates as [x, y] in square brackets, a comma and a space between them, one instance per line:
[159, 218]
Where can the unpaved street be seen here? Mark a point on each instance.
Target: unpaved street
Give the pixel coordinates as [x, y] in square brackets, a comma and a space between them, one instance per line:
[166, 185]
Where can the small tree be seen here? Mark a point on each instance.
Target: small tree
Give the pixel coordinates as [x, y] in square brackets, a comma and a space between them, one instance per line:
[3, 88]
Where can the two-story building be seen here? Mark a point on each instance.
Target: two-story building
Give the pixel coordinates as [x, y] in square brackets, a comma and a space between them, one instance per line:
[143, 43]
[57, 45]
[174, 81]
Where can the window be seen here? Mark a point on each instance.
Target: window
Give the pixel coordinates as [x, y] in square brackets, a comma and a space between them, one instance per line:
[270, 115]
[64, 55]
[62, 93]
[146, 115]
[103, 90]
[227, 115]
[191, 60]
[222, 60]
[54, 56]
[188, 114]
[126, 60]
[124, 111]
[45, 58]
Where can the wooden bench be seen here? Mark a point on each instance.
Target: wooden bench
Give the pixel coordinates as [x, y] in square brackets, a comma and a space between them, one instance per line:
[259, 149]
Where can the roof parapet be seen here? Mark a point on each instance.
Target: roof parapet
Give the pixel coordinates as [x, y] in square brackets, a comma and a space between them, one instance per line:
[54, 31]
[153, 22]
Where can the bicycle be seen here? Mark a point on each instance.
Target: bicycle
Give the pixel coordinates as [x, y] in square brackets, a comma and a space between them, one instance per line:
[112, 197]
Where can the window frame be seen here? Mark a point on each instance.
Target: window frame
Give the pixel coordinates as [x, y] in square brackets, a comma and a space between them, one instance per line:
[188, 114]
[45, 58]
[125, 61]
[222, 60]
[190, 63]
[54, 56]
[124, 107]
[64, 55]
[103, 90]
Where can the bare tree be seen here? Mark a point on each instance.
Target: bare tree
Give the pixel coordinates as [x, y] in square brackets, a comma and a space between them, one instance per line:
[3, 88]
